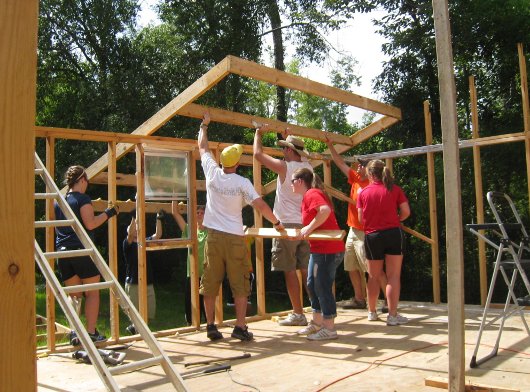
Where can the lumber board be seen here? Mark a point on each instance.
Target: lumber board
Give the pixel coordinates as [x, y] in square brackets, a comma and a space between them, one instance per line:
[194, 91]
[442, 382]
[281, 78]
[338, 194]
[269, 232]
[245, 120]
[372, 129]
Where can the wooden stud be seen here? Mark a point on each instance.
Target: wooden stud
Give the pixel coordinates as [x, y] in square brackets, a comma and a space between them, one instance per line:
[260, 256]
[113, 246]
[433, 217]
[479, 193]
[141, 233]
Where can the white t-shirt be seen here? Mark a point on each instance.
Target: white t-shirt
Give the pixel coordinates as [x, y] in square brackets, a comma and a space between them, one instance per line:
[287, 204]
[226, 195]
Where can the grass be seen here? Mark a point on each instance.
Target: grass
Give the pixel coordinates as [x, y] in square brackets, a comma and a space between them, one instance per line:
[169, 309]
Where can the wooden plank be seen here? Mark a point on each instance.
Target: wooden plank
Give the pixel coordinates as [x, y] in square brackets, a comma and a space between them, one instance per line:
[260, 255]
[372, 130]
[433, 215]
[417, 234]
[194, 91]
[442, 382]
[338, 194]
[141, 233]
[245, 120]
[280, 78]
[18, 74]
[112, 234]
[453, 199]
[269, 232]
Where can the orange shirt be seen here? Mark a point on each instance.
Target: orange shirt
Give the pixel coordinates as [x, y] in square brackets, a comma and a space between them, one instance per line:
[356, 185]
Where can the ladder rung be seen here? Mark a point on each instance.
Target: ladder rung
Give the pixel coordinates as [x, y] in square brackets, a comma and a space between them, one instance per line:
[88, 287]
[41, 196]
[54, 223]
[68, 253]
[129, 367]
[39, 171]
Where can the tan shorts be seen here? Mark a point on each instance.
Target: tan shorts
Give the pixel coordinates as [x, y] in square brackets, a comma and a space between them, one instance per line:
[289, 255]
[355, 257]
[225, 253]
[132, 292]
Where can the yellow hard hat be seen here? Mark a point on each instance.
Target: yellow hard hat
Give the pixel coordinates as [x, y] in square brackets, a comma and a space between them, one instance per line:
[231, 155]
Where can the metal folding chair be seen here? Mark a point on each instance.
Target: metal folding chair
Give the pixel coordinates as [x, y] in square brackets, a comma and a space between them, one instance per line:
[512, 256]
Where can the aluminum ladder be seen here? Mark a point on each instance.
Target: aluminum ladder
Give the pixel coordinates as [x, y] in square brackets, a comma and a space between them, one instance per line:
[108, 282]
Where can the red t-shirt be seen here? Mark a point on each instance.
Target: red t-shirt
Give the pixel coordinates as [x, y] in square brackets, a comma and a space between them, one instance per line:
[357, 184]
[380, 206]
[314, 198]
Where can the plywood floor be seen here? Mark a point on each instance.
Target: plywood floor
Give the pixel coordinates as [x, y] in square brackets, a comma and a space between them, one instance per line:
[368, 356]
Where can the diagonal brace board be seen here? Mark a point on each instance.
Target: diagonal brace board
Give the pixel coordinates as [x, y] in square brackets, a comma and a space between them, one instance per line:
[198, 88]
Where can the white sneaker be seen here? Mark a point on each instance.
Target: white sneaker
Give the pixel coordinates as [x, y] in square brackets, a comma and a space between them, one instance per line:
[396, 320]
[294, 319]
[323, 334]
[310, 329]
[372, 316]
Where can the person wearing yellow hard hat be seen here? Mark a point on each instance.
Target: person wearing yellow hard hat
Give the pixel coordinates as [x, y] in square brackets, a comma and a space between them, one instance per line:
[225, 251]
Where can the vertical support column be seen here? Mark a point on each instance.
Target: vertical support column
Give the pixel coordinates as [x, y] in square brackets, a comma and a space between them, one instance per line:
[113, 239]
[50, 247]
[526, 109]
[18, 72]
[260, 256]
[479, 192]
[433, 218]
[327, 181]
[140, 222]
[192, 231]
[452, 192]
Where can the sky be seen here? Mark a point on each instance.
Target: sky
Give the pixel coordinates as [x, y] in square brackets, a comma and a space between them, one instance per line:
[358, 38]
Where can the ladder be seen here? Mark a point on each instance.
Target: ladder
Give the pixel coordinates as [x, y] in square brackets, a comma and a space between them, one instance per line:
[159, 357]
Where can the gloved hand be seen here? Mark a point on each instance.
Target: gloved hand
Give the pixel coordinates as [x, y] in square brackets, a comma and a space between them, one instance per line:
[111, 211]
[161, 214]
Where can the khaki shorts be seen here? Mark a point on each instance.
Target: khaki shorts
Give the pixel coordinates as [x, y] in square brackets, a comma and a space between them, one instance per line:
[132, 292]
[355, 256]
[225, 253]
[289, 255]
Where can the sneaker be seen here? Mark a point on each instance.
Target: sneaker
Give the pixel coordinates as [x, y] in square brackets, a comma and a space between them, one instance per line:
[372, 316]
[74, 340]
[355, 304]
[97, 337]
[396, 320]
[310, 329]
[384, 308]
[323, 334]
[213, 333]
[131, 329]
[242, 334]
[294, 319]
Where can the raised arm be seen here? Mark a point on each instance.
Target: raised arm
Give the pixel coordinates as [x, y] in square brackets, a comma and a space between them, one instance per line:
[91, 221]
[343, 166]
[178, 217]
[276, 165]
[203, 134]
[158, 230]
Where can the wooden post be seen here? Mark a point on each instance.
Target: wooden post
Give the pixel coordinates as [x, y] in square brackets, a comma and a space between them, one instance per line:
[526, 110]
[433, 218]
[452, 192]
[50, 247]
[112, 240]
[260, 256]
[140, 222]
[18, 72]
[192, 232]
[479, 193]
[327, 181]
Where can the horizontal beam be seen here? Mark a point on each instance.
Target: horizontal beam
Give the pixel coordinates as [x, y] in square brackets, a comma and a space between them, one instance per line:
[294, 82]
[266, 232]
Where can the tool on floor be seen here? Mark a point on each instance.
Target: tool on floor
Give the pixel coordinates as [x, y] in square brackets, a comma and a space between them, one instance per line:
[109, 356]
[208, 361]
[204, 371]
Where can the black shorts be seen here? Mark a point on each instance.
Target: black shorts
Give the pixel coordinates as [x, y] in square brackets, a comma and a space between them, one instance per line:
[82, 266]
[384, 242]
